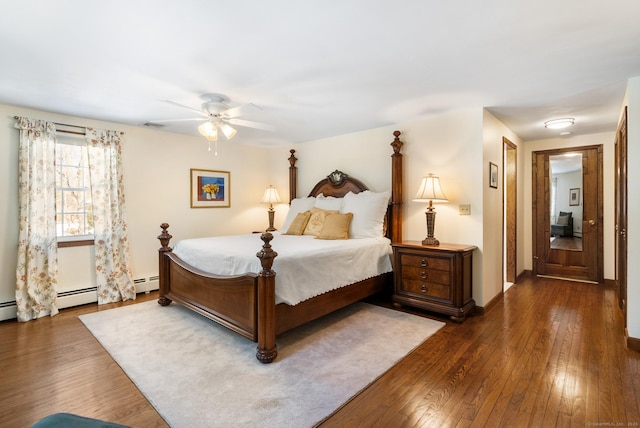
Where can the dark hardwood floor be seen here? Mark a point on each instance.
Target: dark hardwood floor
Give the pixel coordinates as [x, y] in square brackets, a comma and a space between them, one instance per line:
[572, 243]
[550, 353]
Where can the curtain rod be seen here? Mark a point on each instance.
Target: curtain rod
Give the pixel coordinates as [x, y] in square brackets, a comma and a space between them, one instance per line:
[71, 126]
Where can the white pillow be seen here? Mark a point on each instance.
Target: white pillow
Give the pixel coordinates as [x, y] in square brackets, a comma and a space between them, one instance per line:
[328, 202]
[368, 210]
[298, 205]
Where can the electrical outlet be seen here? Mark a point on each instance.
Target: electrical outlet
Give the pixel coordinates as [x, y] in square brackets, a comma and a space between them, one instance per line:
[464, 209]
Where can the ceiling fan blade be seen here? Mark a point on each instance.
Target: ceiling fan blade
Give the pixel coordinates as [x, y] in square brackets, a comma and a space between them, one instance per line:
[251, 124]
[237, 111]
[200, 112]
[190, 119]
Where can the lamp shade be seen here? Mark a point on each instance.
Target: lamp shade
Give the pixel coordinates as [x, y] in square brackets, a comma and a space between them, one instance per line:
[209, 131]
[270, 196]
[430, 190]
[228, 131]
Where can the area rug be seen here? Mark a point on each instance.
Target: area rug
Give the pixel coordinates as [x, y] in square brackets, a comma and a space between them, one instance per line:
[198, 374]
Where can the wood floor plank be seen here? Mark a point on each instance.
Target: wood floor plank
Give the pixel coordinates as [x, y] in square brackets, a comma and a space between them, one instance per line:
[549, 353]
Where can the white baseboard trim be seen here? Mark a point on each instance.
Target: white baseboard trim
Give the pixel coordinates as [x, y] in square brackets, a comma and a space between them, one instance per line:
[77, 299]
[9, 310]
[151, 284]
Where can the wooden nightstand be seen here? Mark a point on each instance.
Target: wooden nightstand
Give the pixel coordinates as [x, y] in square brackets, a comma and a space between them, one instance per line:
[435, 278]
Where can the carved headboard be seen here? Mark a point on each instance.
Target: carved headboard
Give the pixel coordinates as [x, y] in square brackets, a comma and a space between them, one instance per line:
[337, 184]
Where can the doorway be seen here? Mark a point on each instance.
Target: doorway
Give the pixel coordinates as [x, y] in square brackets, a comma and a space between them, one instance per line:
[567, 211]
[510, 235]
[621, 213]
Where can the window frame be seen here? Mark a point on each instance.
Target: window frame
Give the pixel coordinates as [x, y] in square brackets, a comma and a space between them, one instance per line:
[72, 138]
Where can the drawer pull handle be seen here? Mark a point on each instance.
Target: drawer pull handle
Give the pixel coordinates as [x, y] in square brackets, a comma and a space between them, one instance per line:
[423, 262]
[423, 288]
[423, 275]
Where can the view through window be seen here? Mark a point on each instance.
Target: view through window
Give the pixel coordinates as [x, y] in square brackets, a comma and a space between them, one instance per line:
[74, 220]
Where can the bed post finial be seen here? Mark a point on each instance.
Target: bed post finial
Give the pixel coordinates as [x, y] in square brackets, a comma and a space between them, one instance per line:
[292, 158]
[266, 255]
[164, 237]
[267, 349]
[396, 143]
[293, 176]
[396, 189]
[163, 265]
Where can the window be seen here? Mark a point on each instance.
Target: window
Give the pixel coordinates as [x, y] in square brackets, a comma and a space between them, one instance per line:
[74, 219]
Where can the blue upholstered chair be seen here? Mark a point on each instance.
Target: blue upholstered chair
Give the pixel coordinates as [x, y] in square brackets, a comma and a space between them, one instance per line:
[68, 420]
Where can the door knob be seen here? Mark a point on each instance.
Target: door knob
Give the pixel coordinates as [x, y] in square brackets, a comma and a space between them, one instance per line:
[592, 222]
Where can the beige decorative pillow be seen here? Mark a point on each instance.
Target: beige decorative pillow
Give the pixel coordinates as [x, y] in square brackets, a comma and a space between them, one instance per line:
[317, 220]
[299, 223]
[336, 226]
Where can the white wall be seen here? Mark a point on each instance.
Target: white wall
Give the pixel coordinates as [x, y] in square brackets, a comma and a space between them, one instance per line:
[157, 187]
[607, 140]
[492, 206]
[633, 226]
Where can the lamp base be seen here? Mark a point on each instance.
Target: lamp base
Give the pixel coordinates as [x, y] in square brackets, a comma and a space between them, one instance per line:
[430, 241]
[271, 217]
[431, 224]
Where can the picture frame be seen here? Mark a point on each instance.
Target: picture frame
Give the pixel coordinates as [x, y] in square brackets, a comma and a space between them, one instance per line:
[210, 188]
[493, 175]
[574, 197]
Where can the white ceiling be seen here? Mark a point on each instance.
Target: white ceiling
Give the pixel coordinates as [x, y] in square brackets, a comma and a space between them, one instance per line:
[323, 68]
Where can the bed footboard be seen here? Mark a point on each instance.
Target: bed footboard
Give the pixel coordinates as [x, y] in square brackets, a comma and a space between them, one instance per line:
[243, 303]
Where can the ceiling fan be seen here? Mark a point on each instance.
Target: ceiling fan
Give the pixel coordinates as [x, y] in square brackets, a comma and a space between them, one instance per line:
[218, 116]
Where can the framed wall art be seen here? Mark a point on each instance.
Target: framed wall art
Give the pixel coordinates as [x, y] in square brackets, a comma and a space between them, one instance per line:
[574, 197]
[493, 175]
[210, 189]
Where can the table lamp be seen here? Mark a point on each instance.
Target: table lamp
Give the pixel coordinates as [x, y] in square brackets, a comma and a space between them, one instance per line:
[430, 191]
[270, 197]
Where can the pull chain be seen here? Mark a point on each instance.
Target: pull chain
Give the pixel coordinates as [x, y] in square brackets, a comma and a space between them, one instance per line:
[215, 153]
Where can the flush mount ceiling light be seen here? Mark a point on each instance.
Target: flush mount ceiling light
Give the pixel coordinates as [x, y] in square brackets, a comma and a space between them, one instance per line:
[559, 123]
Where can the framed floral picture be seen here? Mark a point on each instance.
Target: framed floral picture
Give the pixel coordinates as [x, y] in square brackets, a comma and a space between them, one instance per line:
[210, 189]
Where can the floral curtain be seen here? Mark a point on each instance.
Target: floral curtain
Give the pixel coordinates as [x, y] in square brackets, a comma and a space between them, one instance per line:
[37, 269]
[113, 274]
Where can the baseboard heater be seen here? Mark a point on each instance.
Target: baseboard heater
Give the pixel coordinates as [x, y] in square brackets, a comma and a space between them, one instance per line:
[68, 299]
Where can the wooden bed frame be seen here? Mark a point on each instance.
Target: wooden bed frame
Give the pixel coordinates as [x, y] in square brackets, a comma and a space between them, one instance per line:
[246, 303]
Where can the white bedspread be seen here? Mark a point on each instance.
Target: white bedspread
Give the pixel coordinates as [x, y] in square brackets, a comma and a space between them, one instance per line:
[305, 267]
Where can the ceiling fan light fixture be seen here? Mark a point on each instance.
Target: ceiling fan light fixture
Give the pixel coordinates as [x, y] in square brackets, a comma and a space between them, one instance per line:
[209, 131]
[559, 123]
[228, 131]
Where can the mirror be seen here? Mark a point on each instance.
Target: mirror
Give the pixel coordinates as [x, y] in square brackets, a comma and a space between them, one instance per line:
[565, 201]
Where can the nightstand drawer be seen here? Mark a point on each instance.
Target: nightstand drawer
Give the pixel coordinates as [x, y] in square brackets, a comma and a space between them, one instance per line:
[442, 277]
[426, 289]
[438, 263]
